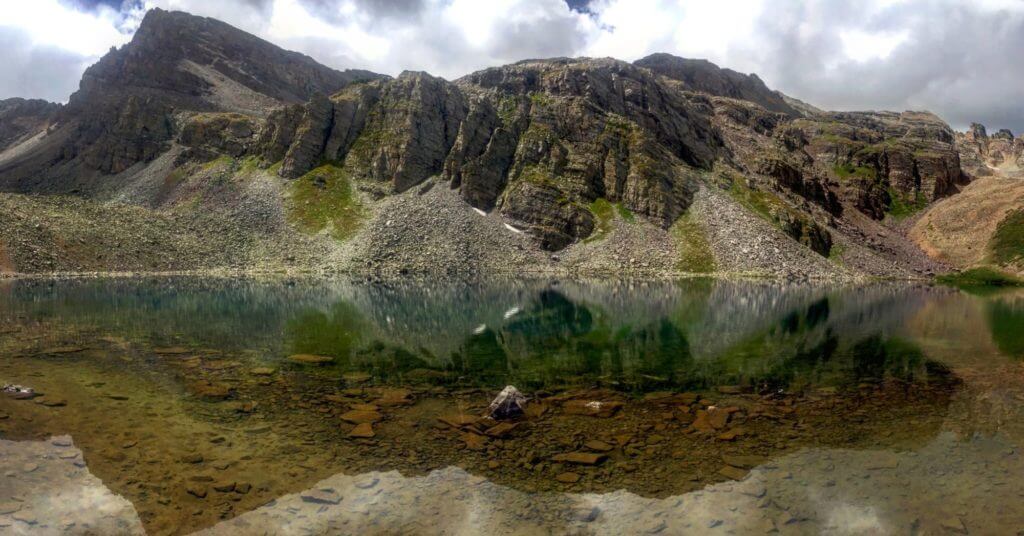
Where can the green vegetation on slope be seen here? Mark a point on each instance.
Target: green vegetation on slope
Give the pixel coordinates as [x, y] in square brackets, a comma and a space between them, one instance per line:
[324, 199]
[695, 254]
[900, 207]
[1007, 244]
[982, 276]
[848, 170]
[774, 210]
[604, 212]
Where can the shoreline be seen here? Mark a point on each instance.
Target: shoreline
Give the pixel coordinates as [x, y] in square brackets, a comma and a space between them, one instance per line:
[653, 275]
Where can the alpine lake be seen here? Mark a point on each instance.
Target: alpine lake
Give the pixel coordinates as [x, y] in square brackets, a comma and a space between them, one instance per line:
[182, 405]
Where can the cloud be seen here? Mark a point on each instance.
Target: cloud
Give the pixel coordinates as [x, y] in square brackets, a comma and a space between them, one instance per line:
[40, 71]
[954, 57]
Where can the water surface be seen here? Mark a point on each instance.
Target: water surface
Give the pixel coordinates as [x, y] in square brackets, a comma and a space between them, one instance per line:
[172, 405]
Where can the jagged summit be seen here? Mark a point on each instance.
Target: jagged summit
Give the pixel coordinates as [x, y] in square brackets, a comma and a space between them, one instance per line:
[193, 60]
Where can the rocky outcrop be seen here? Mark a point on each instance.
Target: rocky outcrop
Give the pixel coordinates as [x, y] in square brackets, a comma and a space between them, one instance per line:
[310, 136]
[23, 118]
[706, 77]
[544, 139]
[884, 162]
[983, 155]
[210, 134]
[408, 132]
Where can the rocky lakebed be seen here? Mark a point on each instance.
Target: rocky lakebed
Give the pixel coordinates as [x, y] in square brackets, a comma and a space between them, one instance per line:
[147, 406]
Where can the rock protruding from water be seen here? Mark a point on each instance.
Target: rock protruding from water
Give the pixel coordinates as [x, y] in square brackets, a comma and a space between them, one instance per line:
[508, 404]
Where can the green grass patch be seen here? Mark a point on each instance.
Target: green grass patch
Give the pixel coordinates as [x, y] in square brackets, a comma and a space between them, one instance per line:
[604, 212]
[249, 164]
[695, 255]
[1007, 244]
[223, 161]
[324, 199]
[900, 207]
[625, 213]
[508, 108]
[840, 140]
[836, 253]
[983, 276]
[538, 175]
[762, 203]
[848, 171]
[540, 99]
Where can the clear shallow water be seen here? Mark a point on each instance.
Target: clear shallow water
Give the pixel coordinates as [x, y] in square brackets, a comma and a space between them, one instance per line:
[722, 406]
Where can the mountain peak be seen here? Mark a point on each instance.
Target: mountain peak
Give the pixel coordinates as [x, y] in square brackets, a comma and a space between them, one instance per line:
[704, 76]
[201, 63]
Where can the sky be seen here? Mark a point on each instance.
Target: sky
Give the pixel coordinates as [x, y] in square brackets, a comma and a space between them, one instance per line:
[958, 58]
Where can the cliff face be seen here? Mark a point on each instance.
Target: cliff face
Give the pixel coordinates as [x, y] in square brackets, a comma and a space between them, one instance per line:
[884, 162]
[127, 109]
[538, 141]
[541, 144]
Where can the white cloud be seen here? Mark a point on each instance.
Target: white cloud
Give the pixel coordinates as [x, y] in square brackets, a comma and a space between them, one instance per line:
[51, 23]
[859, 45]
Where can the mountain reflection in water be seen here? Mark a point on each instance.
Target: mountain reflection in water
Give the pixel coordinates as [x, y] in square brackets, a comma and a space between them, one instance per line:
[742, 405]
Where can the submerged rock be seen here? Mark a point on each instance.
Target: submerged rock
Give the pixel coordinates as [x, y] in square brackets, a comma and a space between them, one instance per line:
[18, 391]
[357, 416]
[310, 359]
[508, 404]
[592, 408]
[580, 458]
[362, 431]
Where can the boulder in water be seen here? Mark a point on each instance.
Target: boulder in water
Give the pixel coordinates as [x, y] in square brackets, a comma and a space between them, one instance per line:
[508, 404]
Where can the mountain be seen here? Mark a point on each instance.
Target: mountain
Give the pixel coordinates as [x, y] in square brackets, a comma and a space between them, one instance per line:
[127, 106]
[706, 77]
[213, 149]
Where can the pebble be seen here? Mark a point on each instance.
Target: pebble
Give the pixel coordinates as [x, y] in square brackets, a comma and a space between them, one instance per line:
[196, 490]
[362, 430]
[568, 478]
[733, 473]
[580, 458]
[585, 515]
[224, 487]
[598, 445]
[357, 416]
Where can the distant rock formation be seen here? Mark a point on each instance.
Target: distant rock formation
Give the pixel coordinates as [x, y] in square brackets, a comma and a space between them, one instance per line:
[984, 155]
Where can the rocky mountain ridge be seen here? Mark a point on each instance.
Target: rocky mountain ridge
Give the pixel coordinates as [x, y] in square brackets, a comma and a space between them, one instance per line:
[593, 155]
[985, 155]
